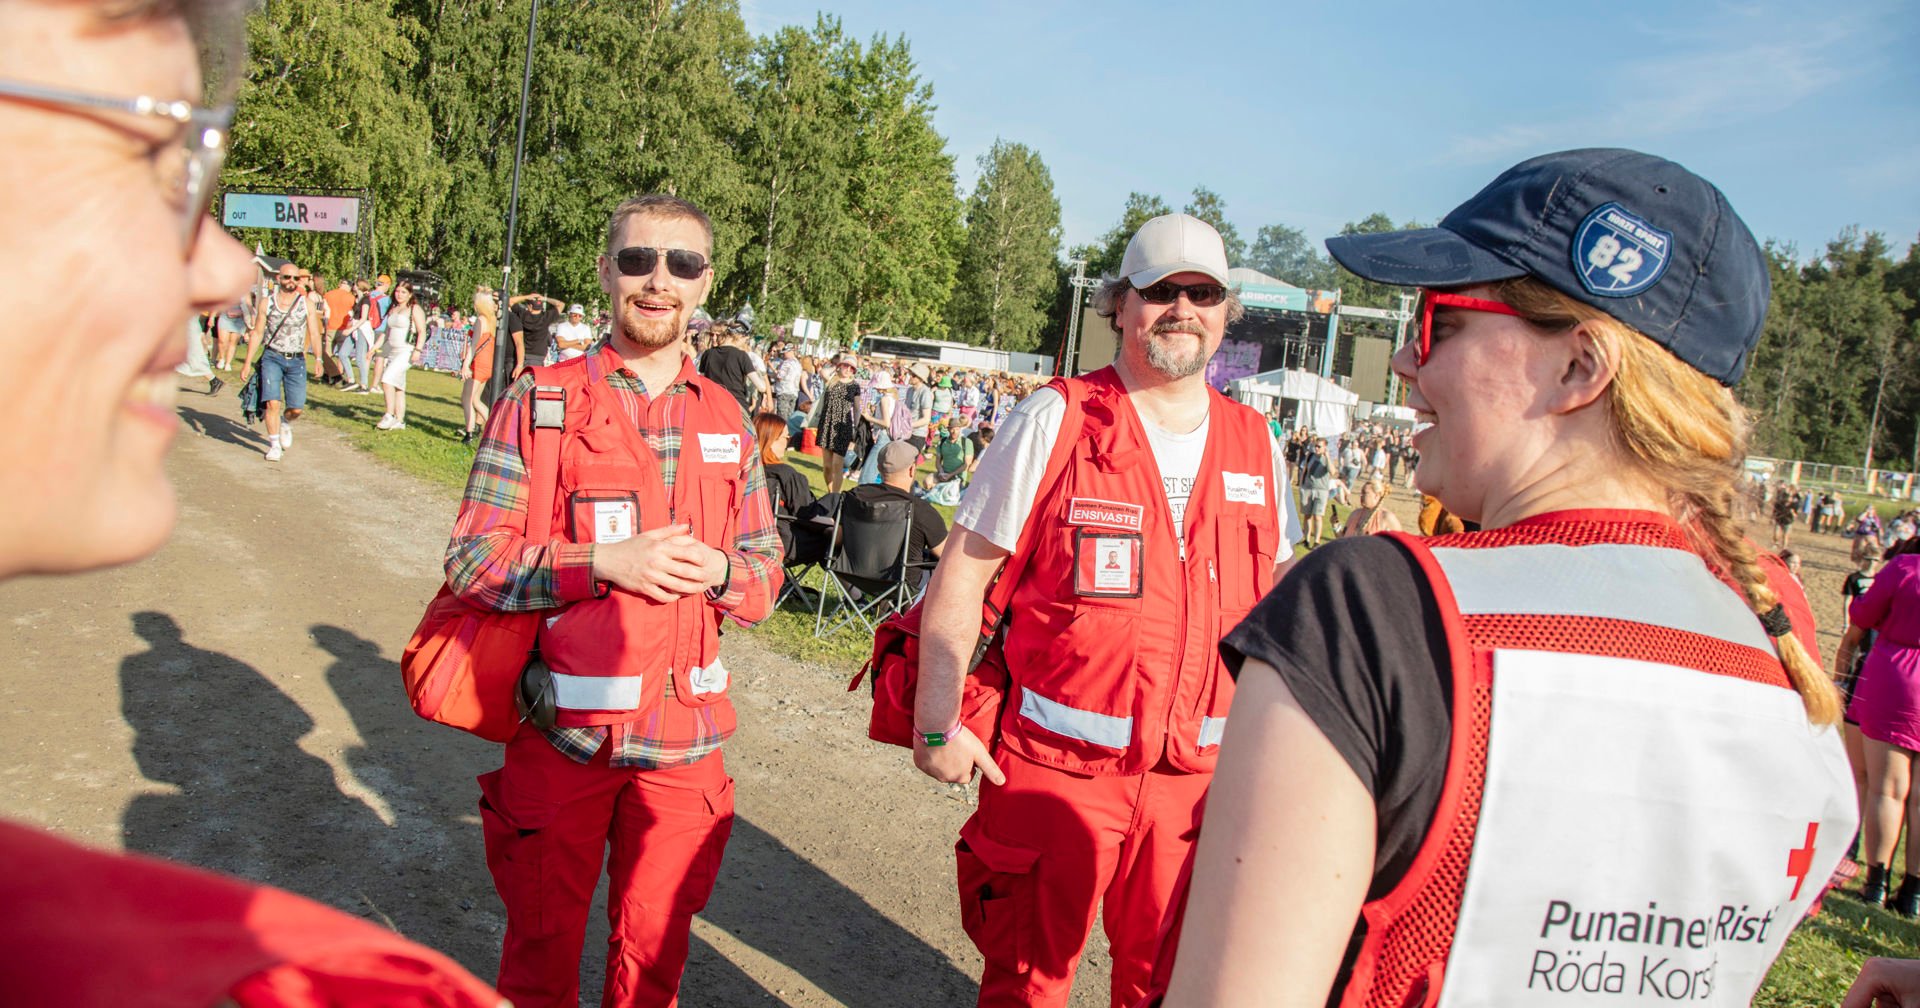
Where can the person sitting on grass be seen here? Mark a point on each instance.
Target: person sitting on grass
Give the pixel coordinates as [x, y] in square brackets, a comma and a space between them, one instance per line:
[952, 462]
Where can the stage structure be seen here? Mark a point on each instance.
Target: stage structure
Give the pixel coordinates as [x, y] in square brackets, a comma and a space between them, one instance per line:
[1285, 328]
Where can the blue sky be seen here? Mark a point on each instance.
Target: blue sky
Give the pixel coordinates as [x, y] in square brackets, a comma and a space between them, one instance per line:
[1807, 115]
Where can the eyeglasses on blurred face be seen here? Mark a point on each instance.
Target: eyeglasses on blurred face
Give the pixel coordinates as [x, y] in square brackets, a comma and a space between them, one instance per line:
[186, 167]
[1432, 300]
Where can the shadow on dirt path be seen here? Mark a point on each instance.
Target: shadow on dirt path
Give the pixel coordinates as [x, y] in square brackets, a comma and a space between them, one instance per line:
[227, 738]
[431, 842]
[222, 428]
[788, 909]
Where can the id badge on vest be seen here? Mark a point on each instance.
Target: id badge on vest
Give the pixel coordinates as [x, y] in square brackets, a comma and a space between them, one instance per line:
[603, 516]
[1107, 564]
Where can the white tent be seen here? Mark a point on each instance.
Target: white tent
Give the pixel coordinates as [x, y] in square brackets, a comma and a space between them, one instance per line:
[1325, 407]
[1392, 416]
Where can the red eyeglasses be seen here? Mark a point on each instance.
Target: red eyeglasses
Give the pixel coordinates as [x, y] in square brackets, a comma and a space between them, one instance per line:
[1429, 300]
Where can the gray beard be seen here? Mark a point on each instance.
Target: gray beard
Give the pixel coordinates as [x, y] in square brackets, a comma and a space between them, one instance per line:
[1172, 363]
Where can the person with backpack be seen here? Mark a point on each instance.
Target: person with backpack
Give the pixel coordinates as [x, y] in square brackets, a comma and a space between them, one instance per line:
[661, 529]
[1143, 511]
[277, 344]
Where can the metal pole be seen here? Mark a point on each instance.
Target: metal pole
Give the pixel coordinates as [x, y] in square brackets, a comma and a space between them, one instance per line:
[1399, 340]
[500, 358]
[1070, 353]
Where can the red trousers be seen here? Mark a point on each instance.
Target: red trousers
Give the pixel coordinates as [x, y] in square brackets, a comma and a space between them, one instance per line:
[1047, 849]
[549, 822]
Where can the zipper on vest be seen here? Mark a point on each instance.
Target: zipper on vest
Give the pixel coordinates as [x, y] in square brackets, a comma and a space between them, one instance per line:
[1172, 721]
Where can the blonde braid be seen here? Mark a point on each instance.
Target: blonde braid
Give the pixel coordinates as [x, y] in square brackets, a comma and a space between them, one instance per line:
[1686, 432]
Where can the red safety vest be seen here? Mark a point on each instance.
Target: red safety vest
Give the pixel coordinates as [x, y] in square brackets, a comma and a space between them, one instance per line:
[1635, 806]
[611, 655]
[1111, 635]
[86, 928]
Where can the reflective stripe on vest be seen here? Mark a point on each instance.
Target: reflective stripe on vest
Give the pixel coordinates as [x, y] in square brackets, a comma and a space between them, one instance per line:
[1641, 584]
[1212, 730]
[1616, 707]
[613, 693]
[1087, 726]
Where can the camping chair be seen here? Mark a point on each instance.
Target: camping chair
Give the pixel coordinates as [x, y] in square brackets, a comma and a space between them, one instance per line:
[800, 551]
[867, 564]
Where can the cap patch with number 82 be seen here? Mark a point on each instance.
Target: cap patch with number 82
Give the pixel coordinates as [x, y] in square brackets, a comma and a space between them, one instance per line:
[1617, 254]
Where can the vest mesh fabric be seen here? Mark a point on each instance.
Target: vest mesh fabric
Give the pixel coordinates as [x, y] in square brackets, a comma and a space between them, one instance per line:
[1410, 931]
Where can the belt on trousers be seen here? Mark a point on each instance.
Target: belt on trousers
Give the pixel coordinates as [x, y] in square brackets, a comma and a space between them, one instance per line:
[283, 353]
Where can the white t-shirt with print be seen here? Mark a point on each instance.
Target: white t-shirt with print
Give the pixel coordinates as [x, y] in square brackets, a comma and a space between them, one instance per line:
[1000, 497]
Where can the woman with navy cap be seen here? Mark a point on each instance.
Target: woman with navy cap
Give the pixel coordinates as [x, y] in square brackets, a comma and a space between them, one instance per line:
[1586, 750]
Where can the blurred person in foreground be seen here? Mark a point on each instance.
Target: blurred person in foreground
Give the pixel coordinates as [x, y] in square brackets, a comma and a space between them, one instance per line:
[101, 113]
[1503, 761]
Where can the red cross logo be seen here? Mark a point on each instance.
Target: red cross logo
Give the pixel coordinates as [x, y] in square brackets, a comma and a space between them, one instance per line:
[1800, 862]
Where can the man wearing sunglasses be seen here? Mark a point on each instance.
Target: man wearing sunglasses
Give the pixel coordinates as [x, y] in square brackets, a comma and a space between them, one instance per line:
[663, 528]
[1136, 543]
[287, 325]
[114, 135]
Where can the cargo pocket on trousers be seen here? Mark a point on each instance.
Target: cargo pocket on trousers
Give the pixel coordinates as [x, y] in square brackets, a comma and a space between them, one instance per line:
[704, 870]
[996, 897]
[513, 829]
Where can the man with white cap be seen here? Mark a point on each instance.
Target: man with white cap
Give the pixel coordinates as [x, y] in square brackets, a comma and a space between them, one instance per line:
[1141, 513]
[573, 336]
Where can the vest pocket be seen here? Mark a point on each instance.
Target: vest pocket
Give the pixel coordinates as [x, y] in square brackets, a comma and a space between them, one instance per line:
[701, 685]
[996, 897]
[714, 517]
[1247, 549]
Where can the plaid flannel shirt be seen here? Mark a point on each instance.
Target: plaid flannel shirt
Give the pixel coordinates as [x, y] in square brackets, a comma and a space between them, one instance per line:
[491, 563]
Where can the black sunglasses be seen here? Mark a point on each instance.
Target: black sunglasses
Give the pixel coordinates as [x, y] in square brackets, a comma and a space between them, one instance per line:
[1204, 295]
[639, 261]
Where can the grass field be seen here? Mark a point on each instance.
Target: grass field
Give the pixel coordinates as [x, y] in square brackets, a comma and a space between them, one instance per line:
[1821, 957]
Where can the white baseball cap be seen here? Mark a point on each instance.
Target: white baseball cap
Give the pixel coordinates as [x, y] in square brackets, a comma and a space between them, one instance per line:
[576, 310]
[1174, 243]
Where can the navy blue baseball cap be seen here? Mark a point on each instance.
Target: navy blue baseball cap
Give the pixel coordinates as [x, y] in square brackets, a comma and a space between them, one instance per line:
[1638, 237]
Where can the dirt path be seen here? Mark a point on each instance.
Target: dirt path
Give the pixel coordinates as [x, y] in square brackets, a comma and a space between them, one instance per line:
[233, 702]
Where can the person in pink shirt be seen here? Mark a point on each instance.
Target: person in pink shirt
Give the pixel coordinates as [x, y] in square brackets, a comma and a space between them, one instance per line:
[1886, 704]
